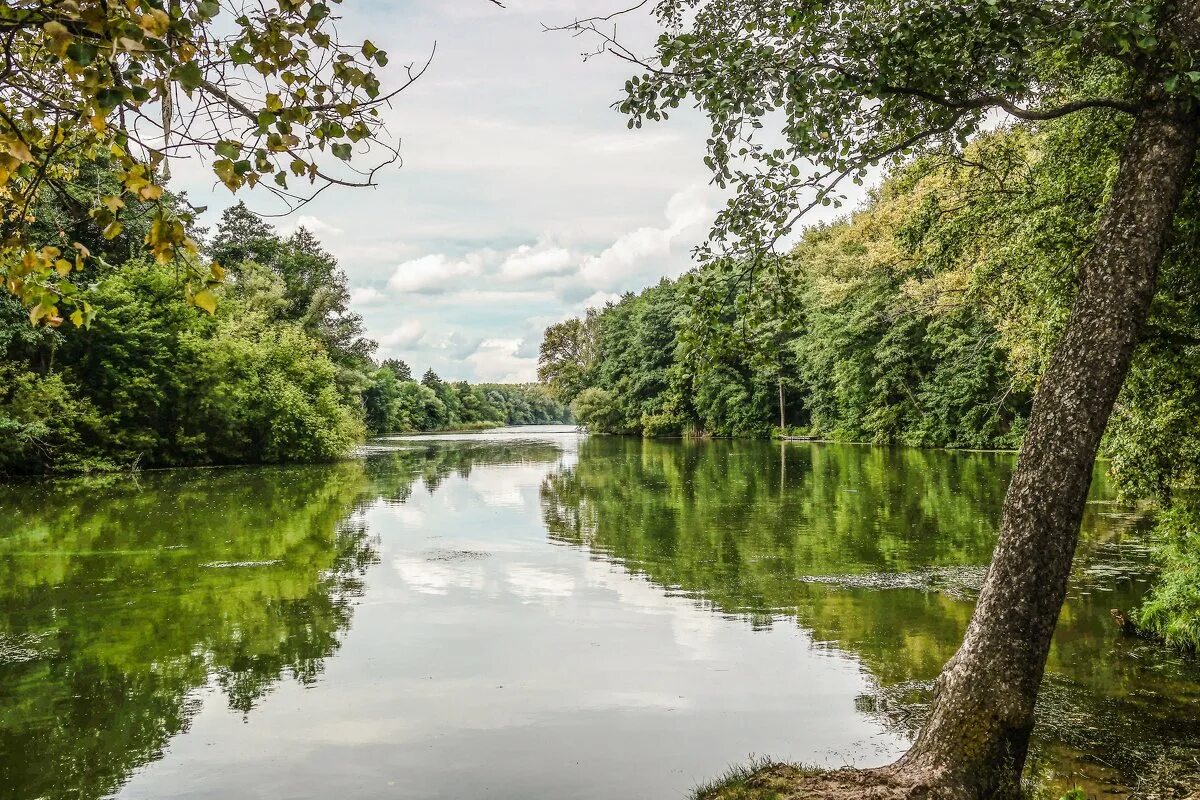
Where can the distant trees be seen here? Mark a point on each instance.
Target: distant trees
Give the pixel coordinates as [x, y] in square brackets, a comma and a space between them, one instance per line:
[397, 404]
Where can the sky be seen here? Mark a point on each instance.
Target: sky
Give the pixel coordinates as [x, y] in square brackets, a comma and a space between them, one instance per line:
[522, 199]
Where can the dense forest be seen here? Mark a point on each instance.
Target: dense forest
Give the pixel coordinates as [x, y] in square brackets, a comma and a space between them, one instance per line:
[923, 318]
[266, 364]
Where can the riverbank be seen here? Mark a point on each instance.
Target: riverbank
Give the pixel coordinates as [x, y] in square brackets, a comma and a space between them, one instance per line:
[765, 779]
[465, 428]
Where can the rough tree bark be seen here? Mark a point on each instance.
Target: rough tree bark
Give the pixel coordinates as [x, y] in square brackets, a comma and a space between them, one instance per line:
[975, 741]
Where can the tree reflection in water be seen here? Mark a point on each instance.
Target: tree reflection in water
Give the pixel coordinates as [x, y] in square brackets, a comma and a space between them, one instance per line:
[121, 597]
[878, 552]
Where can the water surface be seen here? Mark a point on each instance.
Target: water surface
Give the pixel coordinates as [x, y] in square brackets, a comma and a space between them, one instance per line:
[529, 613]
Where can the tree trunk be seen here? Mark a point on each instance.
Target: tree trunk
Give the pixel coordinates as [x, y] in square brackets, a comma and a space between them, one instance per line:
[975, 741]
[782, 417]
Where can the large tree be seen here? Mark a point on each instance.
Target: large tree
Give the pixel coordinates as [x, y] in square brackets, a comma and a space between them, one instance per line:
[844, 86]
[568, 354]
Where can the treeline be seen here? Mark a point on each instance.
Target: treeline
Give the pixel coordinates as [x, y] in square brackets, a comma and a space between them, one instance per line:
[924, 318]
[279, 371]
[395, 403]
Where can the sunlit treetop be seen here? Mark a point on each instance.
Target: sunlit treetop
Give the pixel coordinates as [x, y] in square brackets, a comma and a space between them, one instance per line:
[803, 97]
[262, 92]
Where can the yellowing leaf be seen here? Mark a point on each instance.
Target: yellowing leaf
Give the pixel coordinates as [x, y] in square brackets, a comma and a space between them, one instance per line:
[155, 23]
[113, 230]
[150, 192]
[206, 300]
[18, 150]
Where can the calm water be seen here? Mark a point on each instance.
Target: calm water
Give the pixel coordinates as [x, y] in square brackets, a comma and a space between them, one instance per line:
[531, 614]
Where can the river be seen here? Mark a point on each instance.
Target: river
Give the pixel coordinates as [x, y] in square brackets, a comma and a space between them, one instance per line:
[533, 613]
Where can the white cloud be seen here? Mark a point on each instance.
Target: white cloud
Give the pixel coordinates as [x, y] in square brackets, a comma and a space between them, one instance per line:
[408, 334]
[314, 225]
[499, 361]
[598, 300]
[456, 345]
[643, 253]
[435, 274]
[505, 297]
[366, 296]
[623, 142]
[536, 262]
[438, 577]
[534, 584]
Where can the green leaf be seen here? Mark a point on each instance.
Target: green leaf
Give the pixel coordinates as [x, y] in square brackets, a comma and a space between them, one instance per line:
[228, 149]
[82, 53]
[189, 76]
[109, 98]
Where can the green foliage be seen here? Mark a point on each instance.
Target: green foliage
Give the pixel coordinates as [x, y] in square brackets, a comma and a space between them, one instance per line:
[267, 394]
[597, 410]
[1172, 611]
[155, 383]
[568, 355]
[105, 692]
[296, 278]
[279, 370]
[41, 419]
[872, 329]
[394, 403]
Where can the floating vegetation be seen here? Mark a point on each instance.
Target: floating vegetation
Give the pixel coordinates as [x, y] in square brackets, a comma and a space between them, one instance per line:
[962, 582]
[22, 648]
[455, 555]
